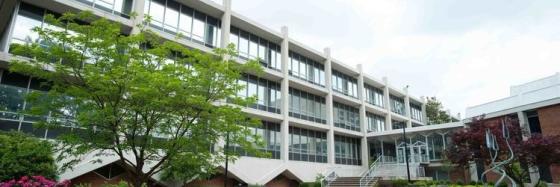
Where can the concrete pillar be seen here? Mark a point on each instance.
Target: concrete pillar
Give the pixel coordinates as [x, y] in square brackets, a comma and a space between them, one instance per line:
[407, 107]
[523, 124]
[329, 105]
[363, 124]
[285, 87]
[473, 172]
[534, 174]
[9, 9]
[226, 24]
[138, 8]
[424, 115]
[386, 99]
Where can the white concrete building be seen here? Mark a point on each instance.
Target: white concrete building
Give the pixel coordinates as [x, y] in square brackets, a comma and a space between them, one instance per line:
[320, 115]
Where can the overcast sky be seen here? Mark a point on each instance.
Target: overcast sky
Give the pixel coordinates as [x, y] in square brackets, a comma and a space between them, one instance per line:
[463, 52]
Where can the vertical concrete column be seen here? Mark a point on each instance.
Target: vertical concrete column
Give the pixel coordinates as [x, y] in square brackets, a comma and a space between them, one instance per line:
[329, 105]
[363, 122]
[285, 87]
[386, 99]
[226, 23]
[424, 114]
[10, 9]
[226, 17]
[407, 107]
[138, 8]
[523, 124]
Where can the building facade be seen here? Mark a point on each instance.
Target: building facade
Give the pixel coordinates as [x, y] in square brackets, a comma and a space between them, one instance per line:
[319, 115]
[536, 105]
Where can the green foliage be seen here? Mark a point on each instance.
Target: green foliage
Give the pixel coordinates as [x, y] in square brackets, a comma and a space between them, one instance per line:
[435, 112]
[155, 104]
[22, 155]
[120, 184]
[310, 184]
[399, 183]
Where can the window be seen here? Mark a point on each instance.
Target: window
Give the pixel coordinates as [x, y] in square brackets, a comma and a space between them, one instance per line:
[307, 145]
[375, 123]
[374, 95]
[416, 112]
[157, 11]
[397, 105]
[13, 88]
[244, 45]
[435, 146]
[253, 47]
[346, 117]
[175, 18]
[345, 84]
[307, 106]
[185, 22]
[171, 16]
[534, 122]
[117, 7]
[347, 150]
[267, 93]
[270, 134]
[306, 69]
[398, 124]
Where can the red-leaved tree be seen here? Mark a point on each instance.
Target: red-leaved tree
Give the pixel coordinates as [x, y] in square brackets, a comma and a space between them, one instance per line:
[469, 145]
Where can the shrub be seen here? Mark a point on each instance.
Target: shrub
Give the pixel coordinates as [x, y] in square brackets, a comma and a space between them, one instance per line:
[310, 184]
[26, 181]
[22, 155]
[399, 183]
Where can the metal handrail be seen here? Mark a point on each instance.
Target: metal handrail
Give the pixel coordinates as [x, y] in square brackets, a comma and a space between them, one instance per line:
[368, 176]
[330, 176]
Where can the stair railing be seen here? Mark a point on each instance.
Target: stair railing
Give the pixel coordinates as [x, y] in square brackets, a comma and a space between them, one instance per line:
[368, 176]
[330, 176]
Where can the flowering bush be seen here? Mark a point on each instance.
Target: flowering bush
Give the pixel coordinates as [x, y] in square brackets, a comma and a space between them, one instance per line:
[34, 181]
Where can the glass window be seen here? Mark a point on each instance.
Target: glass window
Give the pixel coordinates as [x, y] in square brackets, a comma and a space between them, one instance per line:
[244, 45]
[346, 117]
[397, 105]
[234, 38]
[348, 151]
[28, 18]
[305, 145]
[345, 84]
[185, 22]
[306, 69]
[211, 31]
[253, 47]
[262, 50]
[172, 16]
[307, 106]
[198, 26]
[157, 11]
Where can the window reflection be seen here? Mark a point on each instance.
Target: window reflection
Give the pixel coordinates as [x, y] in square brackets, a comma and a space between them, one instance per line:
[374, 95]
[270, 134]
[267, 93]
[344, 84]
[307, 145]
[307, 106]
[304, 68]
[117, 7]
[250, 46]
[347, 150]
[375, 123]
[397, 105]
[175, 18]
[346, 117]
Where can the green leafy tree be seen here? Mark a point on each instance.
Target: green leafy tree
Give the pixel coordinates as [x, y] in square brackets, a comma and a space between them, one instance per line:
[22, 155]
[435, 112]
[153, 103]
